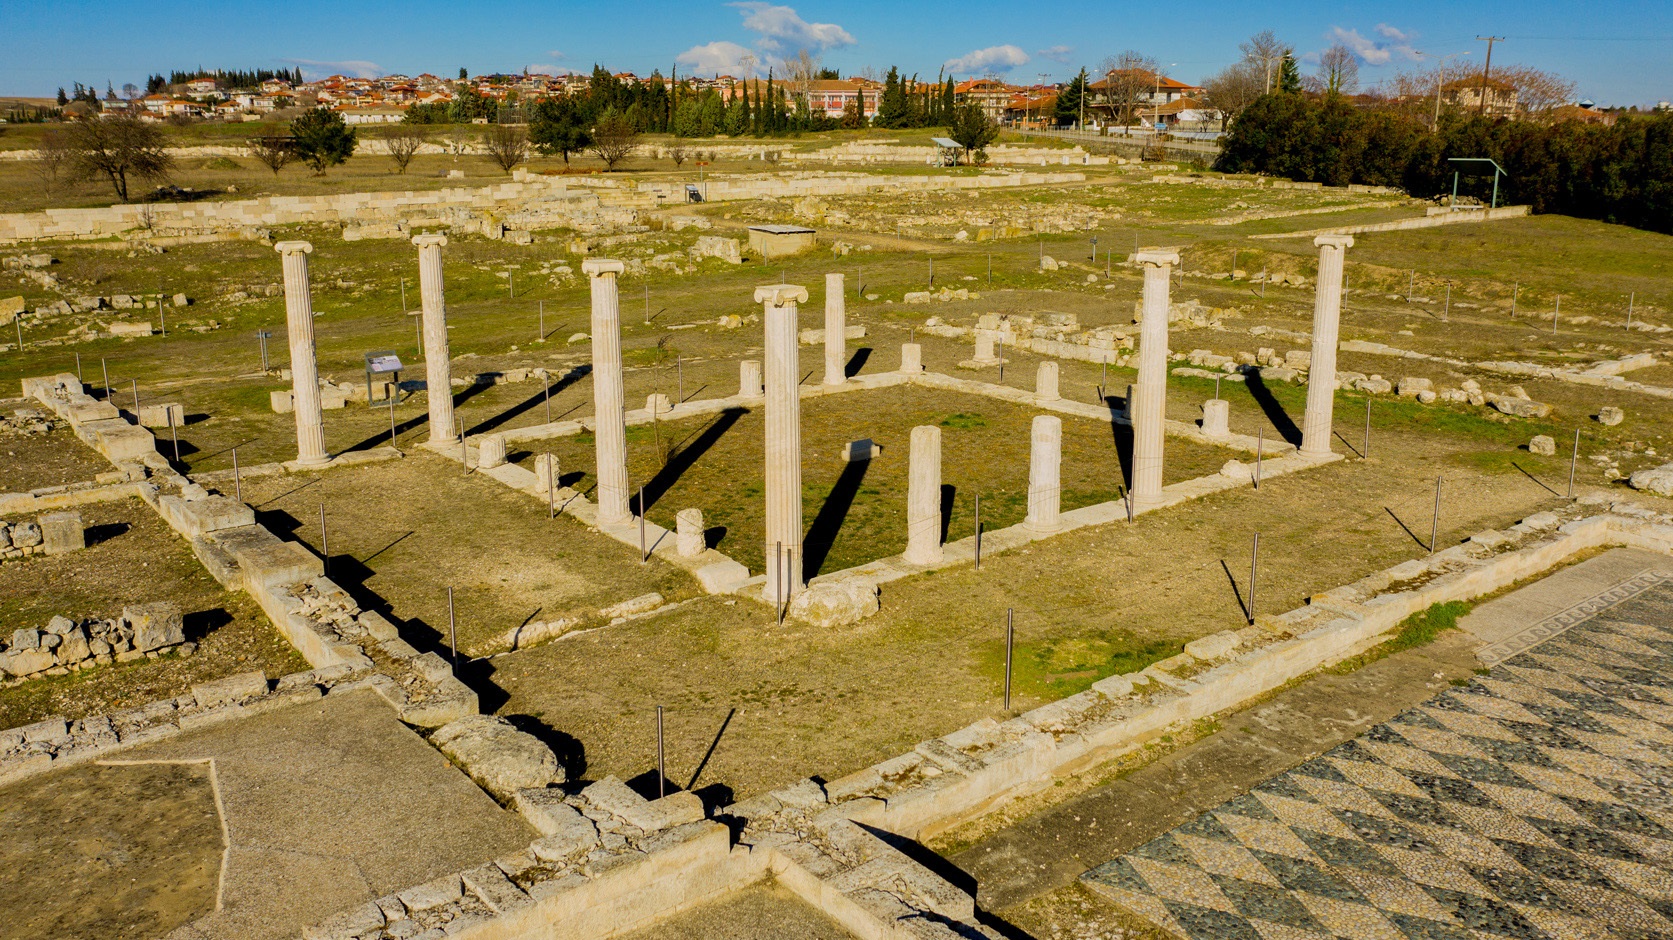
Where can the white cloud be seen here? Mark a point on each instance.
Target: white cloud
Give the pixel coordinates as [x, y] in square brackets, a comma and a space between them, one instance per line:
[1058, 54]
[717, 58]
[555, 54]
[992, 59]
[546, 68]
[317, 68]
[781, 28]
[1372, 52]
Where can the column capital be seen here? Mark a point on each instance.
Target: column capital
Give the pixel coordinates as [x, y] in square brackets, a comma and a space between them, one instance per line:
[598, 267]
[430, 241]
[779, 295]
[1157, 257]
[292, 247]
[1343, 242]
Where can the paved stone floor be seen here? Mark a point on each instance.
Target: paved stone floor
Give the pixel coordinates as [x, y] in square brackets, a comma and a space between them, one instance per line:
[1535, 802]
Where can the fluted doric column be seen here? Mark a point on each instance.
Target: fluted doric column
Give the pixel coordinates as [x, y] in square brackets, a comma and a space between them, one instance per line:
[1148, 407]
[836, 331]
[1045, 474]
[1327, 327]
[923, 498]
[609, 407]
[438, 360]
[784, 441]
[304, 365]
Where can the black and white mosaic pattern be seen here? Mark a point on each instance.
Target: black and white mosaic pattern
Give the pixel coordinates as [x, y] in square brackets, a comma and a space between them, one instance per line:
[1537, 802]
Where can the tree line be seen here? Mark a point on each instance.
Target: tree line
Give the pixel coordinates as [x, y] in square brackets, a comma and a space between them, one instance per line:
[1619, 173]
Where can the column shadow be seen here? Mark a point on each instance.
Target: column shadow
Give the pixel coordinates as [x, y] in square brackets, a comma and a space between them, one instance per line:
[949, 492]
[1237, 592]
[686, 455]
[528, 404]
[1274, 412]
[822, 534]
[1122, 436]
[857, 361]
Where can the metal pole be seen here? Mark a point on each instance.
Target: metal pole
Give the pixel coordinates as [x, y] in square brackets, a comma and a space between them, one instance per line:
[1366, 453]
[18, 321]
[990, 269]
[1446, 310]
[173, 434]
[1435, 521]
[237, 480]
[932, 272]
[1573, 459]
[78, 359]
[452, 630]
[641, 525]
[551, 484]
[679, 365]
[1260, 445]
[391, 419]
[1010, 643]
[542, 321]
[778, 560]
[661, 767]
[1254, 568]
[1555, 311]
[403, 295]
[978, 532]
[647, 302]
[548, 381]
[464, 452]
[1631, 299]
[1411, 284]
[324, 542]
[105, 371]
[134, 384]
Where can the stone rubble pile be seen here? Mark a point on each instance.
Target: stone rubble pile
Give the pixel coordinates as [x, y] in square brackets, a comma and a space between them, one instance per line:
[144, 631]
[55, 533]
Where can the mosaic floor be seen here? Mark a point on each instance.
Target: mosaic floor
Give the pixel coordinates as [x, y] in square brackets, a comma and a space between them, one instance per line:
[1536, 802]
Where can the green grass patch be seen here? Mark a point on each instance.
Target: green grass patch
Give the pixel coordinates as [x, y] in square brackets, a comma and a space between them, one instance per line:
[964, 421]
[1053, 668]
[1421, 629]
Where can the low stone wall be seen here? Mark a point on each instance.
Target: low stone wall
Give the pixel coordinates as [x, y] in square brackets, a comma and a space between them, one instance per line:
[144, 631]
[1403, 225]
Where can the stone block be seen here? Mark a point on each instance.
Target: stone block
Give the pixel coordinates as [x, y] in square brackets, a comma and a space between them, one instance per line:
[26, 535]
[282, 400]
[141, 328]
[265, 560]
[1542, 444]
[691, 539]
[26, 662]
[159, 415]
[156, 625]
[232, 689]
[62, 532]
[1610, 416]
[432, 894]
[617, 798]
[861, 450]
[633, 605]
[501, 759]
[192, 518]
[835, 603]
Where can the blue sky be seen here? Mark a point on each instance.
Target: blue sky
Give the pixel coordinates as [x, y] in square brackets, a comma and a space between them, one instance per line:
[1619, 51]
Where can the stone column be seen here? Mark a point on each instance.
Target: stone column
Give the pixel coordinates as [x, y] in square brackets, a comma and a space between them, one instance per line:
[438, 361]
[689, 536]
[749, 379]
[490, 453]
[304, 368]
[609, 409]
[1148, 402]
[784, 441]
[836, 331]
[1045, 474]
[1327, 322]
[923, 498]
[1045, 382]
[911, 358]
[984, 347]
[1216, 415]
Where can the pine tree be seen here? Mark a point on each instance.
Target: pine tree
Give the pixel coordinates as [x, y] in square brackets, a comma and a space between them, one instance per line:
[1289, 75]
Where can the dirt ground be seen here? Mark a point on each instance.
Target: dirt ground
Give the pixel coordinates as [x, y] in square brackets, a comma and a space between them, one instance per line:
[855, 513]
[132, 558]
[33, 461]
[402, 532]
[106, 852]
[750, 706]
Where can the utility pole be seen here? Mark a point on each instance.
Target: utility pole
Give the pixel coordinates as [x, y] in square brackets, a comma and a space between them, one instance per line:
[1487, 68]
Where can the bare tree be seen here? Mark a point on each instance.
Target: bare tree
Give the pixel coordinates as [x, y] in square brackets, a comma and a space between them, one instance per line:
[403, 142]
[459, 141]
[273, 152]
[1537, 92]
[1233, 88]
[800, 71]
[52, 158]
[677, 153]
[1338, 70]
[614, 139]
[1267, 53]
[507, 145]
[1128, 77]
[118, 149]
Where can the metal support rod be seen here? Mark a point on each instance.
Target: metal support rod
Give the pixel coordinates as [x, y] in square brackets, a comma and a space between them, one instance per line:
[464, 452]
[134, 385]
[1260, 445]
[19, 323]
[1631, 300]
[1411, 284]
[1573, 460]
[452, 631]
[392, 418]
[778, 562]
[104, 370]
[237, 479]
[78, 362]
[324, 543]
[542, 321]
[548, 381]
[1254, 568]
[1447, 310]
[403, 295]
[173, 434]
[978, 532]
[1435, 521]
[551, 488]
[1010, 643]
[641, 525]
[932, 272]
[1366, 453]
[661, 766]
[679, 367]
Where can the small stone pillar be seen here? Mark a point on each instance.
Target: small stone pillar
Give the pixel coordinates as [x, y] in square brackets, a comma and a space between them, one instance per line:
[609, 409]
[1216, 415]
[984, 347]
[1327, 323]
[836, 331]
[658, 403]
[1045, 382]
[689, 536]
[304, 368]
[911, 358]
[1045, 474]
[546, 472]
[749, 379]
[784, 441]
[62, 532]
[923, 498]
[438, 361]
[1148, 402]
[490, 452]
